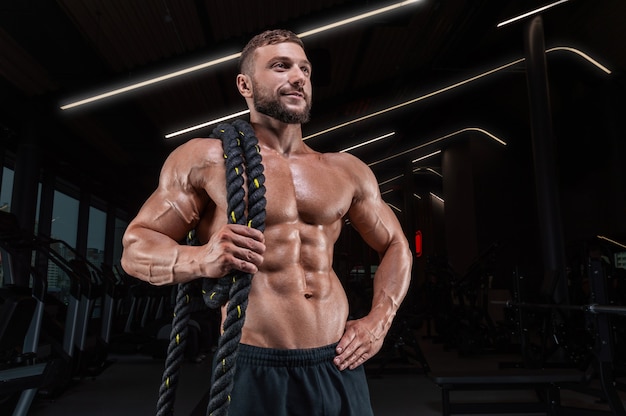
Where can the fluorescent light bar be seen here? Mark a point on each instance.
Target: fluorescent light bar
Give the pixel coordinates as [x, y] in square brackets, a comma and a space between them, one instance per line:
[477, 129]
[395, 107]
[581, 54]
[390, 180]
[530, 13]
[417, 196]
[437, 197]
[431, 170]
[231, 56]
[356, 18]
[208, 123]
[367, 142]
[611, 241]
[151, 81]
[394, 207]
[458, 84]
[426, 157]
[414, 100]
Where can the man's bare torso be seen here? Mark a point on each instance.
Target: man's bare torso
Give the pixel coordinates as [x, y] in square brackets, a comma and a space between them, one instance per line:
[296, 299]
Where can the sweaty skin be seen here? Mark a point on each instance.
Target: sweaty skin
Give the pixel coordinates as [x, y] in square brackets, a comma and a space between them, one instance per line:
[296, 299]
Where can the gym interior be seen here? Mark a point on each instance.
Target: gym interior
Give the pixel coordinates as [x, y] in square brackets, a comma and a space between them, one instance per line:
[496, 132]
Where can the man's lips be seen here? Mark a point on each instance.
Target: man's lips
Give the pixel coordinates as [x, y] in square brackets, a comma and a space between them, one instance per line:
[294, 94]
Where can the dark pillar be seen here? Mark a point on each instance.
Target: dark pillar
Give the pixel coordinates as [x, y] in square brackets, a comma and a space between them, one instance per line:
[550, 226]
[460, 206]
[408, 206]
[24, 196]
[83, 224]
[109, 237]
[46, 203]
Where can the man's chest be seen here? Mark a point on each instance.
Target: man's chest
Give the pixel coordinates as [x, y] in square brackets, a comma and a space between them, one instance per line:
[304, 190]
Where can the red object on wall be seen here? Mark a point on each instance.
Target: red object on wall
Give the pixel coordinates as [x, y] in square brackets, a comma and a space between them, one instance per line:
[418, 243]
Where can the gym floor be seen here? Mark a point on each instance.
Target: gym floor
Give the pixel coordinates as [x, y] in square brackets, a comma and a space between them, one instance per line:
[130, 387]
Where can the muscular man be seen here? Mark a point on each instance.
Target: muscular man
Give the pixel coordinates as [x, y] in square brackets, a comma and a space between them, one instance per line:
[297, 308]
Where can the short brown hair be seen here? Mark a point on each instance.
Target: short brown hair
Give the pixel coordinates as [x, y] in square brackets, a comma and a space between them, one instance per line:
[269, 37]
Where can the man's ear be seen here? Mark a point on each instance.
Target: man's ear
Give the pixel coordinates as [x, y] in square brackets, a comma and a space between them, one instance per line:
[244, 85]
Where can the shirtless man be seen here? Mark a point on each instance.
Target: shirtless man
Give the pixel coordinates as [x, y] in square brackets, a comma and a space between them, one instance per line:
[296, 302]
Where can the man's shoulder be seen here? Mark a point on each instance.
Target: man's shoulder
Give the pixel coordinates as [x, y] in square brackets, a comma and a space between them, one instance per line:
[201, 147]
[343, 160]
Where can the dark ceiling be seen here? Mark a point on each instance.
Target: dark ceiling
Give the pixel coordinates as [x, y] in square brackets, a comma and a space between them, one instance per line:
[54, 52]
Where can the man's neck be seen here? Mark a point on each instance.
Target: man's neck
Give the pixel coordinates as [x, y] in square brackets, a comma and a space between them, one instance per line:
[281, 137]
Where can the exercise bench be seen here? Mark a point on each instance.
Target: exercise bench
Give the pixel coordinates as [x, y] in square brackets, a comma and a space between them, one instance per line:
[546, 382]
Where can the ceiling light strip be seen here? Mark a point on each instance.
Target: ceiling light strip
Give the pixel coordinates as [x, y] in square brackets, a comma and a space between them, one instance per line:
[394, 207]
[414, 100]
[208, 123]
[426, 157]
[458, 84]
[151, 81]
[431, 170]
[582, 55]
[530, 13]
[477, 129]
[356, 18]
[231, 56]
[367, 142]
[611, 241]
[390, 180]
[437, 197]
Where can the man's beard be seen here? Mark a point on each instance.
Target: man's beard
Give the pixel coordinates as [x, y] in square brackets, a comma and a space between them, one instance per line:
[271, 106]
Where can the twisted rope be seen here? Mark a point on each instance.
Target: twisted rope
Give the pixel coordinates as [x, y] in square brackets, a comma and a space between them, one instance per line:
[236, 143]
[175, 351]
[242, 154]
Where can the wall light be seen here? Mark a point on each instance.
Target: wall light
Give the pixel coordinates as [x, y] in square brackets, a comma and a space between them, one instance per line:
[530, 13]
[232, 56]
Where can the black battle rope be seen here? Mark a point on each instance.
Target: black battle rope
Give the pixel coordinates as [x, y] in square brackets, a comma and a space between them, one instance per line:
[241, 151]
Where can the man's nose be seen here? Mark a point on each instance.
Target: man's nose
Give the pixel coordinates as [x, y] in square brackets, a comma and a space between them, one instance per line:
[297, 76]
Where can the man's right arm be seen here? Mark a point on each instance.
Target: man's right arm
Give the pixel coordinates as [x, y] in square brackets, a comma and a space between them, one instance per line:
[151, 242]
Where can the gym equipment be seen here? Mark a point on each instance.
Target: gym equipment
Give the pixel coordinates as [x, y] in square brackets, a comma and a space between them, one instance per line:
[549, 381]
[21, 371]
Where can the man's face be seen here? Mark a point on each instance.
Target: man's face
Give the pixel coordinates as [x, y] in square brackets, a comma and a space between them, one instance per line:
[281, 82]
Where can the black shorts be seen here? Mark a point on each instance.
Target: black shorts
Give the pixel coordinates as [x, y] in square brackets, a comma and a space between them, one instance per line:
[305, 382]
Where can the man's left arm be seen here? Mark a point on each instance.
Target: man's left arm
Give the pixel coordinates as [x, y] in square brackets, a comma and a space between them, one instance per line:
[380, 229]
